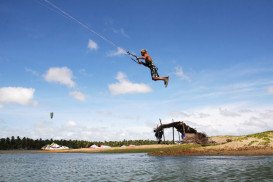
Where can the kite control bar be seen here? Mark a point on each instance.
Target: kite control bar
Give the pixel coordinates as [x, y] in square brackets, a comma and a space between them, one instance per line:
[133, 57]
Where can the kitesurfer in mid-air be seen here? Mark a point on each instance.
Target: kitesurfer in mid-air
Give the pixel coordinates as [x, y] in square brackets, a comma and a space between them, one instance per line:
[149, 63]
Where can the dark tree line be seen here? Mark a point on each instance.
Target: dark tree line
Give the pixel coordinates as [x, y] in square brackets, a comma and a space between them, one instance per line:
[24, 143]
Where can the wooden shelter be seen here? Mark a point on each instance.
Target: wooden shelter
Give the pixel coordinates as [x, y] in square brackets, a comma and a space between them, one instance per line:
[188, 134]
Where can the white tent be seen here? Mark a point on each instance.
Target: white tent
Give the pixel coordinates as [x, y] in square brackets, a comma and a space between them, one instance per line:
[101, 147]
[94, 146]
[54, 146]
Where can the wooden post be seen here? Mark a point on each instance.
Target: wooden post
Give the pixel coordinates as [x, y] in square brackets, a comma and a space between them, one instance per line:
[179, 136]
[163, 130]
[173, 133]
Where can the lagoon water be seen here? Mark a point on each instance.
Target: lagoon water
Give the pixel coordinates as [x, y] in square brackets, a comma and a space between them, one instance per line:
[133, 167]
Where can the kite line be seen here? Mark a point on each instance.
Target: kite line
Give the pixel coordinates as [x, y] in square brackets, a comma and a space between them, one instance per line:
[148, 60]
[60, 11]
[53, 7]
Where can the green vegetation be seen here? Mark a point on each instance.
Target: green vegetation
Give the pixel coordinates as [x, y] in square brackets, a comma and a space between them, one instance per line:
[169, 150]
[30, 144]
[131, 150]
[175, 150]
[266, 141]
[252, 142]
[263, 135]
[266, 134]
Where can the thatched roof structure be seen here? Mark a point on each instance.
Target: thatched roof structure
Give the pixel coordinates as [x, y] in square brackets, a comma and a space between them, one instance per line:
[181, 127]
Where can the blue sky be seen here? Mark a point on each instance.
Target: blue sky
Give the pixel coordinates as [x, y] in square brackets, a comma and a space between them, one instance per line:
[218, 54]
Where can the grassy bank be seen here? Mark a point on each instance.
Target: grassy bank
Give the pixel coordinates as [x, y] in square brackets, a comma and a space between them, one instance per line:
[254, 144]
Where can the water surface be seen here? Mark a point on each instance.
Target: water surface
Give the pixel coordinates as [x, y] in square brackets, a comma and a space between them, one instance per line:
[133, 167]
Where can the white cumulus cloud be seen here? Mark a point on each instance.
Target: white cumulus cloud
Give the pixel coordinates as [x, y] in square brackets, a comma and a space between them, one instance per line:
[93, 132]
[61, 75]
[124, 86]
[92, 45]
[78, 95]
[228, 119]
[71, 124]
[119, 51]
[17, 95]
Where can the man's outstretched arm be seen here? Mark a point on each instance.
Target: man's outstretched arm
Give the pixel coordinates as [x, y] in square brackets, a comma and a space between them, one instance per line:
[138, 59]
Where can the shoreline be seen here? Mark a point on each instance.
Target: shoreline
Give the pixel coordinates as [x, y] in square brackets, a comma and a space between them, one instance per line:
[259, 144]
[203, 151]
[159, 150]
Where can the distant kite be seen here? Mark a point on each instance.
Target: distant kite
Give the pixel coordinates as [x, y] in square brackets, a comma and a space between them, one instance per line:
[51, 115]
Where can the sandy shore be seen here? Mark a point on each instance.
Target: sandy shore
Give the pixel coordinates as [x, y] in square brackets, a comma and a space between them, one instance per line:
[128, 149]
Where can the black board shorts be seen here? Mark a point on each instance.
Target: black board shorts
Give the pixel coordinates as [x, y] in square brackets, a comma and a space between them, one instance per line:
[153, 69]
